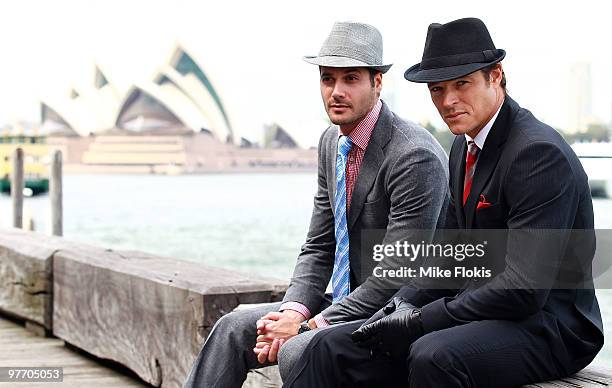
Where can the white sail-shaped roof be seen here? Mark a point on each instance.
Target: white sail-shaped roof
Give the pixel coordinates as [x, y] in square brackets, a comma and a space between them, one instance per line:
[178, 95]
[85, 110]
[151, 106]
[190, 76]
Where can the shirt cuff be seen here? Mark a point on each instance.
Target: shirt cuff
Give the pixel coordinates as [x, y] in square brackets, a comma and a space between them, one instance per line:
[320, 321]
[296, 306]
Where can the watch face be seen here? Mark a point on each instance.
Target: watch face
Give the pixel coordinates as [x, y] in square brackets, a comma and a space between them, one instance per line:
[303, 327]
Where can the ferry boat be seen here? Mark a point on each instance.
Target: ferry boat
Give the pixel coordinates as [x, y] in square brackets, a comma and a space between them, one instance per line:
[596, 158]
[36, 162]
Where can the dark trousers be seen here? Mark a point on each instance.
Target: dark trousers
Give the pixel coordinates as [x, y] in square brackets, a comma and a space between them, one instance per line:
[478, 354]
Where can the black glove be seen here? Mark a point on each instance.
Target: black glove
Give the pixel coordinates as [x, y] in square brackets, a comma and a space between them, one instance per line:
[383, 312]
[393, 333]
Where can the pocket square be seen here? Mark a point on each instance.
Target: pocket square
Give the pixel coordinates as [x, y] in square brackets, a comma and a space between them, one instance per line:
[483, 203]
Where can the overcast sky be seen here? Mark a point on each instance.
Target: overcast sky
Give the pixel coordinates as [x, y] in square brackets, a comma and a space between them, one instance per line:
[252, 51]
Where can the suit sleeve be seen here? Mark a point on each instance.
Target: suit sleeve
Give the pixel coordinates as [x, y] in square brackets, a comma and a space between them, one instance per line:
[316, 259]
[414, 293]
[541, 192]
[418, 192]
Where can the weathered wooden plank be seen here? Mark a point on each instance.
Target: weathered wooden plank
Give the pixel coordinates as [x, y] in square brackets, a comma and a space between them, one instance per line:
[7, 347]
[598, 373]
[267, 377]
[4, 324]
[34, 351]
[97, 383]
[596, 376]
[26, 282]
[146, 312]
[592, 376]
[35, 328]
[25, 277]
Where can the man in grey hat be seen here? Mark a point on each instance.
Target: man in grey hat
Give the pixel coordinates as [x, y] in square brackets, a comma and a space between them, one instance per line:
[375, 171]
[537, 318]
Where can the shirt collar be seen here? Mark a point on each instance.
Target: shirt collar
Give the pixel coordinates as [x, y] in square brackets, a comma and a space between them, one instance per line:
[484, 132]
[360, 136]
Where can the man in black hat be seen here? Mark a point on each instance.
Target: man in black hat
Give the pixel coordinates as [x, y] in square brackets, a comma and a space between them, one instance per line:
[509, 171]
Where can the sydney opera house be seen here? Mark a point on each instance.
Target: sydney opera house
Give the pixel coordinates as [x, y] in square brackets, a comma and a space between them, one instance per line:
[176, 122]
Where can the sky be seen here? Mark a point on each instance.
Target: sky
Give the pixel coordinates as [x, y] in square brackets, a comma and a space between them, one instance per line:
[252, 51]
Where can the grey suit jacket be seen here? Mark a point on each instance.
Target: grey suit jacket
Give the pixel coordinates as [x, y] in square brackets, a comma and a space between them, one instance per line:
[402, 185]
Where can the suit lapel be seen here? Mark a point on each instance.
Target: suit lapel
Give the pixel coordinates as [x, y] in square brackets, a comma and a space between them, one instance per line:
[458, 177]
[372, 160]
[487, 160]
[332, 154]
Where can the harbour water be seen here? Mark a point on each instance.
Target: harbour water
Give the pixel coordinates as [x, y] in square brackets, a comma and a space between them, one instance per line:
[254, 223]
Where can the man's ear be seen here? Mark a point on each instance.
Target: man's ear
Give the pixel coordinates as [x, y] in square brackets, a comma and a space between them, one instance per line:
[378, 82]
[496, 73]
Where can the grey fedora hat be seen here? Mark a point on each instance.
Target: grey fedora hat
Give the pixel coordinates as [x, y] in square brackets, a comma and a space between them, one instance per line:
[351, 44]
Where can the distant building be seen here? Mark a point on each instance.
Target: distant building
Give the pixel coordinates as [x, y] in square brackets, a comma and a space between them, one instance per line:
[246, 143]
[610, 123]
[580, 108]
[179, 99]
[82, 112]
[173, 123]
[276, 137]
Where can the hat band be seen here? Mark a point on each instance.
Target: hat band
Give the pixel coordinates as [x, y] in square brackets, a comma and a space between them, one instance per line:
[351, 53]
[458, 59]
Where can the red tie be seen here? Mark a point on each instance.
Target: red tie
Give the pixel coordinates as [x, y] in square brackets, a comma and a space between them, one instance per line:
[470, 162]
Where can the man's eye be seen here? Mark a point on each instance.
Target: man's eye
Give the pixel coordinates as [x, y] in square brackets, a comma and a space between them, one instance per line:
[461, 83]
[351, 78]
[435, 89]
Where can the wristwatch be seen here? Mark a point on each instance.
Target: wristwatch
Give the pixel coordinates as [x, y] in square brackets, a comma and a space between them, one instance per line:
[304, 327]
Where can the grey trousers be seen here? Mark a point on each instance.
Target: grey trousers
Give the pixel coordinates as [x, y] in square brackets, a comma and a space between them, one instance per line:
[227, 354]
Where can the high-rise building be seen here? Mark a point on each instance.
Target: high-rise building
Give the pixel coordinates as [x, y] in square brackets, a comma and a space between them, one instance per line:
[579, 109]
[610, 123]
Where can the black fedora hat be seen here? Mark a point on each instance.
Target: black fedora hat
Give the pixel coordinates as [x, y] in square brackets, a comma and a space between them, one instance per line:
[453, 50]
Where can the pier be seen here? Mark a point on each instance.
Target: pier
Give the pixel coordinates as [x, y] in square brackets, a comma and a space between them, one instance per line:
[148, 313]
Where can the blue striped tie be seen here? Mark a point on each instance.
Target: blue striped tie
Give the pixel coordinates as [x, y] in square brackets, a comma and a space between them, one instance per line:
[341, 274]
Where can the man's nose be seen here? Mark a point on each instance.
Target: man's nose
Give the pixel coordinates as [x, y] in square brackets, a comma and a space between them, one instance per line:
[338, 91]
[449, 99]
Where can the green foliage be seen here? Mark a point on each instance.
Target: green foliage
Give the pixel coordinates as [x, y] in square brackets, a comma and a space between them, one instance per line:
[443, 136]
[594, 133]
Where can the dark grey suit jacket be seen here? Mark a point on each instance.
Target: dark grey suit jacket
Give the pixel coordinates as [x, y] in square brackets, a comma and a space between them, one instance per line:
[402, 186]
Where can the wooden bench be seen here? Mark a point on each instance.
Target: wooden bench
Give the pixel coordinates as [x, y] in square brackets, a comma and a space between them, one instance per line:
[148, 313]
[594, 376]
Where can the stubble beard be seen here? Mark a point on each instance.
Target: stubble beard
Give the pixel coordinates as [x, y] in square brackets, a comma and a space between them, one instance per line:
[355, 117]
